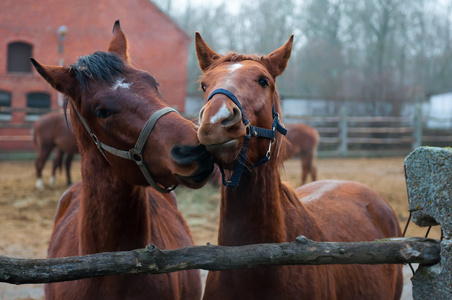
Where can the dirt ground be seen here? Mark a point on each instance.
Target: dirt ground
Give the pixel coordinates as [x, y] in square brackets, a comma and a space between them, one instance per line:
[26, 214]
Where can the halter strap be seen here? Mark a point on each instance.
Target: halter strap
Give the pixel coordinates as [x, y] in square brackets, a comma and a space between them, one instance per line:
[135, 153]
[251, 131]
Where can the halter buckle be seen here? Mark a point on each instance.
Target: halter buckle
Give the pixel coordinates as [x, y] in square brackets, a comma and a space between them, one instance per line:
[268, 154]
[95, 139]
[136, 155]
[248, 128]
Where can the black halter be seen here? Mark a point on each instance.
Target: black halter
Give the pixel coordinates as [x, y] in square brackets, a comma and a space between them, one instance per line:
[134, 154]
[251, 131]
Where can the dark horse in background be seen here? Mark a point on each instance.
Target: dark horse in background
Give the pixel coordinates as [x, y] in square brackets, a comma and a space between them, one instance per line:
[128, 139]
[303, 142]
[240, 124]
[52, 131]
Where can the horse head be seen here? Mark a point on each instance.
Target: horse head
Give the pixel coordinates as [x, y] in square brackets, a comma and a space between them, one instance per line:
[120, 111]
[241, 102]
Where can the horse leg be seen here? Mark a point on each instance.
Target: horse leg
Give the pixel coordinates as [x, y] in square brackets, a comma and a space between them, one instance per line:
[43, 155]
[314, 172]
[306, 166]
[68, 163]
[57, 163]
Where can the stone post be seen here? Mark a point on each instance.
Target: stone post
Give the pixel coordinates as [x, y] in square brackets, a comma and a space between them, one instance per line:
[428, 173]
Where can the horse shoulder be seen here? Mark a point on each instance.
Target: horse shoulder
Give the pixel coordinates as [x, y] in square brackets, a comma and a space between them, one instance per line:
[63, 241]
[66, 199]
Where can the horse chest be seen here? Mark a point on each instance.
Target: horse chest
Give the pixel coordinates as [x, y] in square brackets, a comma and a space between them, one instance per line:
[284, 282]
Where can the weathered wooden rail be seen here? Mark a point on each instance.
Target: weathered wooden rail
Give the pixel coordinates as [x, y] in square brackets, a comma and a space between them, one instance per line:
[345, 135]
[429, 185]
[339, 135]
[152, 260]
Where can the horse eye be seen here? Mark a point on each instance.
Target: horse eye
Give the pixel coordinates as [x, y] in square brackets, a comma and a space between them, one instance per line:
[263, 82]
[203, 87]
[103, 114]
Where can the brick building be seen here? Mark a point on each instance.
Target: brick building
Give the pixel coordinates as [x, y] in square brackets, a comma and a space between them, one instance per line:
[30, 29]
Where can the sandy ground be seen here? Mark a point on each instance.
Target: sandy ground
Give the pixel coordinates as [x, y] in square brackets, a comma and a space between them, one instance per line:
[26, 214]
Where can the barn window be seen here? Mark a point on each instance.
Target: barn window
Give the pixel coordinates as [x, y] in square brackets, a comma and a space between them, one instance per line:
[5, 106]
[19, 57]
[37, 104]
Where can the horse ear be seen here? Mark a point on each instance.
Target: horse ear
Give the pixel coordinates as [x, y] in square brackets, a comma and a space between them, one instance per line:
[118, 43]
[60, 78]
[278, 59]
[205, 54]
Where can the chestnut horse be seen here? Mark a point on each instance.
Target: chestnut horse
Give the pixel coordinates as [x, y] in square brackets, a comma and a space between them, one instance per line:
[52, 131]
[304, 141]
[116, 106]
[240, 121]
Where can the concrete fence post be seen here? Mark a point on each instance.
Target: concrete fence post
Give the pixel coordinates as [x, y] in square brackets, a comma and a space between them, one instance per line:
[429, 184]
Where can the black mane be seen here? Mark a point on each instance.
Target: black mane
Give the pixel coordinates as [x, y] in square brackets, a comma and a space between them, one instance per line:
[104, 66]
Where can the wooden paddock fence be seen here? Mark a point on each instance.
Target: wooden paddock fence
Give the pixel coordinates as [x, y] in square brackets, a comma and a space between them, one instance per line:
[340, 135]
[428, 177]
[345, 135]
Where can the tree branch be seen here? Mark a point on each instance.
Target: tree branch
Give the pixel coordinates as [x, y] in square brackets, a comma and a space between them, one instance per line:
[152, 260]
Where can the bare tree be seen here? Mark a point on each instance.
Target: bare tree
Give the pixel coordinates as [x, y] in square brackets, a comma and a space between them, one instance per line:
[383, 53]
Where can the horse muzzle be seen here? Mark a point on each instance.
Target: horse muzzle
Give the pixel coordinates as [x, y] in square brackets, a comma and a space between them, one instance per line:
[187, 157]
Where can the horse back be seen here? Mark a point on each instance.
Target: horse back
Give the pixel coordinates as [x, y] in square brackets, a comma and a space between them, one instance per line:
[44, 129]
[349, 206]
[345, 211]
[54, 129]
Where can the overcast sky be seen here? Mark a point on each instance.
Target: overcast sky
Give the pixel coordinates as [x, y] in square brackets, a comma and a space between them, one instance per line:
[232, 5]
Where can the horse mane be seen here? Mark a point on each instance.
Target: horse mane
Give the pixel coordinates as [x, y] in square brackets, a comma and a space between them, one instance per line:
[100, 66]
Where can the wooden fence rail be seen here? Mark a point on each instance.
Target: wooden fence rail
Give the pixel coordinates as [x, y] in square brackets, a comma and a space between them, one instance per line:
[345, 135]
[152, 260]
[339, 135]
[428, 173]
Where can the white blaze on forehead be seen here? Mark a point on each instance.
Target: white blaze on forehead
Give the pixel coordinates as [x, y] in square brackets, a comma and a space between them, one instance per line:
[121, 84]
[234, 67]
[221, 113]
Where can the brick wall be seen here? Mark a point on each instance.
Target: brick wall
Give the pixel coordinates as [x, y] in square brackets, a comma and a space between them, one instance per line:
[156, 45]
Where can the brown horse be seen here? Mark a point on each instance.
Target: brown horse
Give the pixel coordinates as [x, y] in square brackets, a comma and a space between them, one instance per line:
[52, 131]
[239, 125]
[116, 106]
[303, 142]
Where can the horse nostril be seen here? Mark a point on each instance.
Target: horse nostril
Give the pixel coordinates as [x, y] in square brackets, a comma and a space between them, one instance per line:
[201, 113]
[233, 118]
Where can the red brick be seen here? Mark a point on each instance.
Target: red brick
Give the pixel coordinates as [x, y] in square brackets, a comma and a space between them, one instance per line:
[156, 44]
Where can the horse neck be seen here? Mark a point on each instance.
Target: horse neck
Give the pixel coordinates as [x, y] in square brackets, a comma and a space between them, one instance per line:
[262, 209]
[114, 215]
[253, 212]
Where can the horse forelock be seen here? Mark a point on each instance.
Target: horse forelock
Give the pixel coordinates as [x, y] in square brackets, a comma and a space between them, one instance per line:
[102, 66]
[236, 57]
